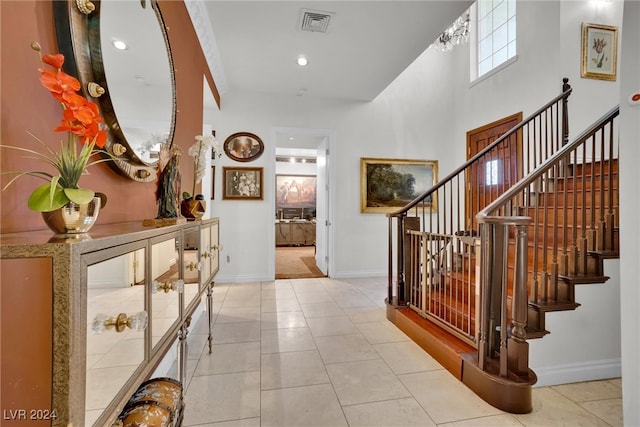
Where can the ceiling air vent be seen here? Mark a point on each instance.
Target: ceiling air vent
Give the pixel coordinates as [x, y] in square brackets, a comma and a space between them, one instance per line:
[314, 20]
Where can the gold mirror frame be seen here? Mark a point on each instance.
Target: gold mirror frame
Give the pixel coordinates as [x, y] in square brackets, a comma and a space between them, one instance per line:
[78, 33]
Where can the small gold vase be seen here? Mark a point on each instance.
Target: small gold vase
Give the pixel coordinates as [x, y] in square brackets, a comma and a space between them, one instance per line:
[73, 218]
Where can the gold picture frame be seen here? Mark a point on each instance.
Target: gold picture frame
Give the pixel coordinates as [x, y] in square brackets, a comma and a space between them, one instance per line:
[243, 146]
[411, 177]
[599, 52]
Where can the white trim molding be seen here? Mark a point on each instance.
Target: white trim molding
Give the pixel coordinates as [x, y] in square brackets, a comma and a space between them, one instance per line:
[202, 26]
[578, 372]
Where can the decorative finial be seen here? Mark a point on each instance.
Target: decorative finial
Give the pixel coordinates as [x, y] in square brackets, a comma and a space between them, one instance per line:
[95, 90]
[118, 149]
[85, 6]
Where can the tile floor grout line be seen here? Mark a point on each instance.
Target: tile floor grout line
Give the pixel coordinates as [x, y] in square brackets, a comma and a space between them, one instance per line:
[324, 364]
[583, 414]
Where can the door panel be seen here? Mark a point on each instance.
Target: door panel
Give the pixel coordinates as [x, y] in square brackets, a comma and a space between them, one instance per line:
[496, 171]
[322, 210]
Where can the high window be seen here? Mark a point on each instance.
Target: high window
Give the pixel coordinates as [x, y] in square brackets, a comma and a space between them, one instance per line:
[496, 33]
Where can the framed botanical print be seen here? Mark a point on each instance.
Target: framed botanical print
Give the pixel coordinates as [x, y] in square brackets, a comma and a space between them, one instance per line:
[599, 51]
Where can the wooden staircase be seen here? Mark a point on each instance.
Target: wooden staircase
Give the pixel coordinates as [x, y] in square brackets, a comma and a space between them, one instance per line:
[455, 290]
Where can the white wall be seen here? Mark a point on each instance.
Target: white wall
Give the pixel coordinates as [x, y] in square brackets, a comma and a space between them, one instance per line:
[583, 344]
[630, 194]
[298, 168]
[425, 114]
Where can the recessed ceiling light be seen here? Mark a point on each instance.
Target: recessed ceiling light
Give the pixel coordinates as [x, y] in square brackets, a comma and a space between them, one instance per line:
[292, 160]
[291, 138]
[120, 45]
[302, 61]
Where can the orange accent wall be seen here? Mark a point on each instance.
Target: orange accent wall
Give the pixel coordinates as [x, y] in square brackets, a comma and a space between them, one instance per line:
[26, 318]
[26, 106]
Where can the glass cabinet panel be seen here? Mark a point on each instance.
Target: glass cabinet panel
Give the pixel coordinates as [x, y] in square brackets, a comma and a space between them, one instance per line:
[166, 286]
[215, 248]
[205, 241]
[116, 322]
[191, 264]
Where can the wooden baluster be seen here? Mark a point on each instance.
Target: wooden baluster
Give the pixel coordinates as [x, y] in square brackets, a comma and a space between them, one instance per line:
[518, 348]
[582, 247]
[611, 216]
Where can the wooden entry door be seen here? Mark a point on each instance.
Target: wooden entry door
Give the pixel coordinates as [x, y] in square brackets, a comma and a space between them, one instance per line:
[496, 171]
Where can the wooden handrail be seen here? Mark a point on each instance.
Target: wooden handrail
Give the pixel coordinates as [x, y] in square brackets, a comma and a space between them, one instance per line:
[546, 165]
[563, 96]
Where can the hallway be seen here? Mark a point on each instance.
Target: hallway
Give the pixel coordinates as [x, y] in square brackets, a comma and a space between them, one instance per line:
[296, 262]
[320, 352]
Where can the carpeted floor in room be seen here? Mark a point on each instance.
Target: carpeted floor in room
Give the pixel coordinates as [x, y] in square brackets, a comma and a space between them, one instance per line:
[296, 262]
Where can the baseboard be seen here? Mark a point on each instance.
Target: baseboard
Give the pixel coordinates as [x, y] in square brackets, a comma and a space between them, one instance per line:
[339, 275]
[242, 279]
[358, 274]
[573, 373]
[103, 284]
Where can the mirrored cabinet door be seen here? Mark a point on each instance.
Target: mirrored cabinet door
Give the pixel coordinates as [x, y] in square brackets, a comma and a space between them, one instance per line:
[215, 247]
[191, 264]
[205, 242]
[166, 285]
[116, 323]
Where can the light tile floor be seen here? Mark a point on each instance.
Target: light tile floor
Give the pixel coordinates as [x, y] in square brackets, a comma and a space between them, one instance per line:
[320, 352]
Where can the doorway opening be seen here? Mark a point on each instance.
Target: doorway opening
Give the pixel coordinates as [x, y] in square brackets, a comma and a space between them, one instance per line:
[301, 204]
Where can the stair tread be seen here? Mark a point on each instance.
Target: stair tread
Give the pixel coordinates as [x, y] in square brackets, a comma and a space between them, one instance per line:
[581, 279]
[605, 254]
[551, 305]
[534, 333]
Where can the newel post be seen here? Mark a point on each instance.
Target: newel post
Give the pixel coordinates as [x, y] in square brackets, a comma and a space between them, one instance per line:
[400, 262]
[390, 262]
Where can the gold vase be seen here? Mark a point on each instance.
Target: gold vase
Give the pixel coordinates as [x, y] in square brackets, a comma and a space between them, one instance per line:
[73, 218]
[193, 209]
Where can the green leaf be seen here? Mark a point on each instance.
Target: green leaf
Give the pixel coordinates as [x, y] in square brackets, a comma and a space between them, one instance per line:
[79, 195]
[46, 198]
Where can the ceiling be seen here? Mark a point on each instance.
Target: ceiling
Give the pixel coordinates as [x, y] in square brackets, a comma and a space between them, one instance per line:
[253, 46]
[366, 46]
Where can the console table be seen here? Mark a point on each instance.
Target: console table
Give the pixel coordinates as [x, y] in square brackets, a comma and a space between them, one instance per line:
[295, 233]
[137, 287]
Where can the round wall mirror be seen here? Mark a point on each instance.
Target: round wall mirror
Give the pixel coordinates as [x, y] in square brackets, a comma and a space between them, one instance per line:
[119, 50]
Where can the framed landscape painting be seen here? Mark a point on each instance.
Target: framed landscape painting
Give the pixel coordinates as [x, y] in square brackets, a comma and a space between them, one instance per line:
[387, 185]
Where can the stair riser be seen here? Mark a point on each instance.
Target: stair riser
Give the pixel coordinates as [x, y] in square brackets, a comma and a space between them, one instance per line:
[577, 183]
[550, 198]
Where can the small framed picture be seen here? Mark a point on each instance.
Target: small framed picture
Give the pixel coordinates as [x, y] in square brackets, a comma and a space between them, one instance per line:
[213, 182]
[242, 183]
[243, 147]
[599, 51]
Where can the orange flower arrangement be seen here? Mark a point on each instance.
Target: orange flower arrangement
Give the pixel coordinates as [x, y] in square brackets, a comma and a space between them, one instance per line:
[82, 122]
